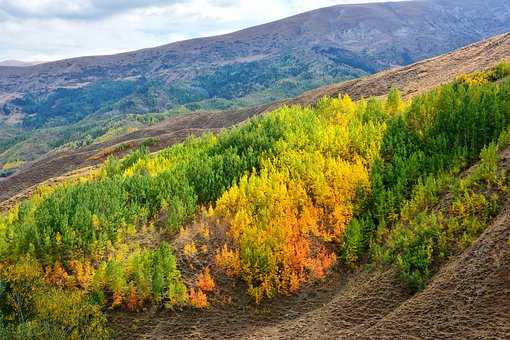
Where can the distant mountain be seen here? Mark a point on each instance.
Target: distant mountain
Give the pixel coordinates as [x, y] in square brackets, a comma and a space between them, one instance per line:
[411, 80]
[249, 67]
[17, 63]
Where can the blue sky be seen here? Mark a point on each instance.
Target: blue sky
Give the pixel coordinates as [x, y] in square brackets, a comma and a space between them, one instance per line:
[45, 30]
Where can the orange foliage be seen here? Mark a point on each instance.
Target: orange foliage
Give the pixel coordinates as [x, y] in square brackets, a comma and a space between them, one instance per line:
[83, 272]
[56, 275]
[280, 220]
[228, 260]
[197, 298]
[205, 281]
[132, 303]
[204, 231]
[117, 298]
[321, 263]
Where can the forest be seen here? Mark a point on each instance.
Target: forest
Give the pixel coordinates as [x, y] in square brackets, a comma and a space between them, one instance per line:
[292, 195]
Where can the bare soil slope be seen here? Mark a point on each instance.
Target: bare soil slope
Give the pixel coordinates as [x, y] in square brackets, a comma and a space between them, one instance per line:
[469, 298]
[411, 80]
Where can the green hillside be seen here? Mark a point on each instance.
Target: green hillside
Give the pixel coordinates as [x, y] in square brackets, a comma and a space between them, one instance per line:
[285, 197]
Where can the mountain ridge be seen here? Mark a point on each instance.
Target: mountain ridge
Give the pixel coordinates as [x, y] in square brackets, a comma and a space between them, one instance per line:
[299, 22]
[410, 80]
[251, 67]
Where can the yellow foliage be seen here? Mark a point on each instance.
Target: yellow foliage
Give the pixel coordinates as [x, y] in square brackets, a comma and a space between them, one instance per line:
[26, 269]
[83, 272]
[204, 231]
[274, 215]
[228, 260]
[12, 165]
[190, 249]
[473, 79]
[70, 315]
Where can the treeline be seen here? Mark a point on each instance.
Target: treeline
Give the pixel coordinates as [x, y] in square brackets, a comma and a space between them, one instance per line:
[298, 189]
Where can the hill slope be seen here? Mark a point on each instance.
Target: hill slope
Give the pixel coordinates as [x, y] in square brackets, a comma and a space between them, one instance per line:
[468, 299]
[410, 80]
[17, 63]
[253, 66]
[353, 216]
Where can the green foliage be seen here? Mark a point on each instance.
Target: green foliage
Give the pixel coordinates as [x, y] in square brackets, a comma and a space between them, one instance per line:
[67, 105]
[426, 235]
[370, 177]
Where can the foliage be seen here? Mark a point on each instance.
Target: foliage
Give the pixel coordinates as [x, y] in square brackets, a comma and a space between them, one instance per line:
[296, 190]
[499, 72]
[33, 310]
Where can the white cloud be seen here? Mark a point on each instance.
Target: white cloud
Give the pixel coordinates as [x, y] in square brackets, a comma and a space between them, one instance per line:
[57, 29]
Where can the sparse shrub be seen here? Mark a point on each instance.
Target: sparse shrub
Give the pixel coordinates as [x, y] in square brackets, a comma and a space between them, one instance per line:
[205, 282]
[197, 298]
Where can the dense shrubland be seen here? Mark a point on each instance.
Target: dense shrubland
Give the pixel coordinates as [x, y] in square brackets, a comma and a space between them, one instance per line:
[296, 190]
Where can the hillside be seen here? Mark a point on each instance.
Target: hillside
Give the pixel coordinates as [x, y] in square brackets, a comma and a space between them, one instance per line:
[410, 80]
[342, 219]
[73, 102]
[17, 63]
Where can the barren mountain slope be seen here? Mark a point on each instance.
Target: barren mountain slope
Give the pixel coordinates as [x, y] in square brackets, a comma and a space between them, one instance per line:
[385, 34]
[410, 80]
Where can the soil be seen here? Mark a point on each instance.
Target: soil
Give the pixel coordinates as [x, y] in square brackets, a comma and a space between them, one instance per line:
[469, 298]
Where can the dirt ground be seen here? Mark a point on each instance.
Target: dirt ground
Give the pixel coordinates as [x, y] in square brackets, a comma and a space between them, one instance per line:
[469, 298]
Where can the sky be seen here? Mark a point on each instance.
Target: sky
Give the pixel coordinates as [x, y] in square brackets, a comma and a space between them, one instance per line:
[44, 30]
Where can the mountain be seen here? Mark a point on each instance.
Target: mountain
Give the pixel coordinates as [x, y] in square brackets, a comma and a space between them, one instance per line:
[249, 67]
[17, 63]
[410, 80]
[378, 218]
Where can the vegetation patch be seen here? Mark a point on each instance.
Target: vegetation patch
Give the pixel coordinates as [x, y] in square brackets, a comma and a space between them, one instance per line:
[287, 196]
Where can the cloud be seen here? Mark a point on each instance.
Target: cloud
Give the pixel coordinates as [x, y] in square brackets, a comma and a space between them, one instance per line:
[73, 9]
[57, 29]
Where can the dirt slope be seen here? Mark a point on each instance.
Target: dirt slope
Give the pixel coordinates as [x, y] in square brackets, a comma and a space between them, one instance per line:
[411, 80]
[469, 298]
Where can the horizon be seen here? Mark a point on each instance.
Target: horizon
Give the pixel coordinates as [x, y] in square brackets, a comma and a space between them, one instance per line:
[112, 27]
